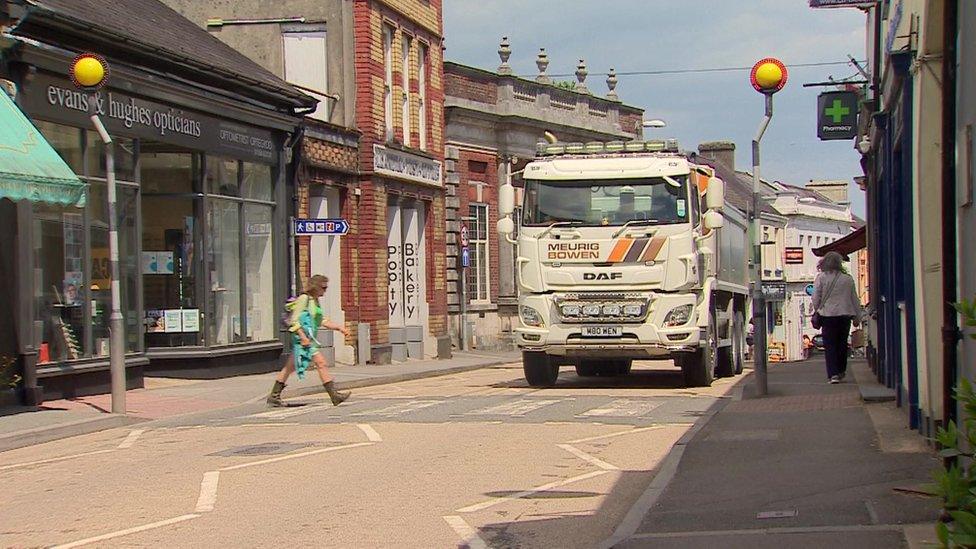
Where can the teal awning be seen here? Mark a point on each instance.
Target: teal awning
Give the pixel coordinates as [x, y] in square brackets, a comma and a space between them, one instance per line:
[30, 169]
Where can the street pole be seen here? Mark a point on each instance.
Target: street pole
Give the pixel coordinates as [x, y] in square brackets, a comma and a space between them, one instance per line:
[116, 326]
[758, 301]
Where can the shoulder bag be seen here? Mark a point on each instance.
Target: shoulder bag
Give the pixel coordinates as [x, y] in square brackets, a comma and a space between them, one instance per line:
[816, 321]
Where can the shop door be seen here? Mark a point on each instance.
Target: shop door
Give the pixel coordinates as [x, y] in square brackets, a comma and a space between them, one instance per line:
[406, 274]
[325, 252]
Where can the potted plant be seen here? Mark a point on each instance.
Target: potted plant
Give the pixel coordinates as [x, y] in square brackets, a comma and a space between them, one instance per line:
[8, 381]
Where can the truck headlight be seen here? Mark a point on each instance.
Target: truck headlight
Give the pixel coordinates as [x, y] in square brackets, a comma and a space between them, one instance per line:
[679, 316]
[591, 310]
[530, 316]
[611, 310]
[632, 310]
[571, 310]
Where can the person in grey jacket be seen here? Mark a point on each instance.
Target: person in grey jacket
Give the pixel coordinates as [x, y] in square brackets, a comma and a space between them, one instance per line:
[835, 298]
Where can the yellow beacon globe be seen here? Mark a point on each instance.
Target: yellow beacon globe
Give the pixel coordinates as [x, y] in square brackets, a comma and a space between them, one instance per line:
[89, 71]
[769, 75]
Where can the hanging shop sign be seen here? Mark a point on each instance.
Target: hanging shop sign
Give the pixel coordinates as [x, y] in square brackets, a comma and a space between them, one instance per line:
[58, 100]
[794, 256]
[774, 291]
[404, 165]
[837, 115]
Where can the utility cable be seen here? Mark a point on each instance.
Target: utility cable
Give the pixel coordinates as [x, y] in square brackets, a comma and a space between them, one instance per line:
[696, 71]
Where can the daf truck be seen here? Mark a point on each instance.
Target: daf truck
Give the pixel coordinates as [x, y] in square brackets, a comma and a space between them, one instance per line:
[626, 251]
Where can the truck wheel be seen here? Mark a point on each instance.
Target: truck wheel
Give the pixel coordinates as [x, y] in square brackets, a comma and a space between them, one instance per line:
[699, 367]
[587, 369]
[739, 342]
[540, 370]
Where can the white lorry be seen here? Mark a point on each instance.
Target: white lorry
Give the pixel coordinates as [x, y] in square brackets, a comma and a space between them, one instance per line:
[626, 251]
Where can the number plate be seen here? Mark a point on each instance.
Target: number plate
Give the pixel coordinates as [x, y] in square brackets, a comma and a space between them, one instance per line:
[602, 331]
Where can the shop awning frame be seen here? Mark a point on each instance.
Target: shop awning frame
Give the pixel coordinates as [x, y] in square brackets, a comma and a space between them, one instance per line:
[30, 169]
[845, 246]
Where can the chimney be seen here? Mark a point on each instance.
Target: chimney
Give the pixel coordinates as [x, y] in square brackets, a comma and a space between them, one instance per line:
[835, 190]
[720, 151]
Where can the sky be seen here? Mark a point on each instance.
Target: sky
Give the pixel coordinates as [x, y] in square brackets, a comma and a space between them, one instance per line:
[651, 35]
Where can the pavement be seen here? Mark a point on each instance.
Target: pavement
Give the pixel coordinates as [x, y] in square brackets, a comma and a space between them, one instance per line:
[167, 399]
[809, 465]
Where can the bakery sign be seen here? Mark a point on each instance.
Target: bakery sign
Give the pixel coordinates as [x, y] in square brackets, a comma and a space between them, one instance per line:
[404, 165]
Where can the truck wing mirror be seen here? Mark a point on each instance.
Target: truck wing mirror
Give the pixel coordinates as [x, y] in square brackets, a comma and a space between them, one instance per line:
[715, 194]
[506, 200]
[714, 219]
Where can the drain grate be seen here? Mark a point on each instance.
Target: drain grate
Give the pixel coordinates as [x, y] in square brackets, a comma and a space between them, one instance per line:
[265, 449]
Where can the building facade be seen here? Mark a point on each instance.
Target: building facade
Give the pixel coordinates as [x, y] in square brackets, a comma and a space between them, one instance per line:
[201, 139]
[494, 122]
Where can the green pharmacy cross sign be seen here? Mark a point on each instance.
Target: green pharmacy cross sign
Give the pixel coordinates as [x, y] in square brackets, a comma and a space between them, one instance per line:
[837, 115]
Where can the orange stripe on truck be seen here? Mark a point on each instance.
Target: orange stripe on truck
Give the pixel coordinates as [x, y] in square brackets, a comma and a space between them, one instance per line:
[620, 250]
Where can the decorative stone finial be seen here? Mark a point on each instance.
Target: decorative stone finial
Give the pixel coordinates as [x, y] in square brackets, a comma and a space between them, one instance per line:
[504, 52]
[581, 73]
[612, 84]
[542, 61]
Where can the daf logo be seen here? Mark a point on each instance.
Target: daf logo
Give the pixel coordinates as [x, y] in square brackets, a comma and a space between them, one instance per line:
[602, 276]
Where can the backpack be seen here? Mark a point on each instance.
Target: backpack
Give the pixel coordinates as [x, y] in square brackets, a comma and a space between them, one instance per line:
[289, 308]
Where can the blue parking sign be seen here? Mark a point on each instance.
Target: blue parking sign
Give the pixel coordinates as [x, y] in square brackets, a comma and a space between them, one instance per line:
[465, 257]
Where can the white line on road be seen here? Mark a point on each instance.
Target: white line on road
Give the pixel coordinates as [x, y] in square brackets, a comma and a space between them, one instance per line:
[371, 433]
[294, 456]
[617, 434]
[469, 536]
[54, 460]
[400, 409]
[519, 495]
[131, 439]
[622, 408]
[208, 492]
[517, 408]
[588, 458]
[282, 413]
[283, 424]
[126, 532]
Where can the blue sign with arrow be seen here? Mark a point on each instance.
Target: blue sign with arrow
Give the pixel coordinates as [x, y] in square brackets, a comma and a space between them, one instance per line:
[465, 257]
[306, 227]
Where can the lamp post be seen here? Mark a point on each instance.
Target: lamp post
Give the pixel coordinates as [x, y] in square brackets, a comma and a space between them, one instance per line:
[89, 72]
[768, 76]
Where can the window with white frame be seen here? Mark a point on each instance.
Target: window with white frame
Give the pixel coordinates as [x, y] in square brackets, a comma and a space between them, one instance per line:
[388, 80]
[477, 276]
[422, 92]
[405, 82]
[306, 65]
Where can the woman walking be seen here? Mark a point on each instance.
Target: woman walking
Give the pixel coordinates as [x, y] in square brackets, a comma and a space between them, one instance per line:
[835, 302]
[306, 318]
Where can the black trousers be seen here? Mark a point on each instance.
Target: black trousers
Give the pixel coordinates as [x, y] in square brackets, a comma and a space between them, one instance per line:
[835, 330]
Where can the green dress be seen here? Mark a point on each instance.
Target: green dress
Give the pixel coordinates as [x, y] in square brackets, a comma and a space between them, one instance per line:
[308, 316]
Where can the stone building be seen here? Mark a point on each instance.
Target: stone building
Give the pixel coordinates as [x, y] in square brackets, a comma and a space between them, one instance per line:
[494, 121]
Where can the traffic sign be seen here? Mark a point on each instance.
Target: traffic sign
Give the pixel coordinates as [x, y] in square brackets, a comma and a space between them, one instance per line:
[465, 257]
[464, 235]
[809, 289]
[305, 227]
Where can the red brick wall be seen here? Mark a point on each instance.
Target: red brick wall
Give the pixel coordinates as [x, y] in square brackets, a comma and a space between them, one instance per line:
[482, 90]
[629, 121]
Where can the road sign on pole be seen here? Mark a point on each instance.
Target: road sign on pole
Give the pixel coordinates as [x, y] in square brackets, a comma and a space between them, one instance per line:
[307, 227]
[464, 235]
[465, 257]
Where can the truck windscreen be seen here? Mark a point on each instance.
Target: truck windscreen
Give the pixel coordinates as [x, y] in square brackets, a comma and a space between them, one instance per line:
[654, 201]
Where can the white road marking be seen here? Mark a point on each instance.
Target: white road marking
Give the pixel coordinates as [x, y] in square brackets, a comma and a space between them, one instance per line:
[400, 409]
[371, 433]
[283, 413]
[283, 424]
[131, 439]
[516, 408]
[54, 460]
[208, 492]
[295, 456]
[623, 408]
[519, 495]
[469, 536]
[588, 458]
[617, 434]
[126, 532]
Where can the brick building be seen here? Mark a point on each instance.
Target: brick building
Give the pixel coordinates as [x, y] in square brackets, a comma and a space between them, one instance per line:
[494, 121]
[399, 219]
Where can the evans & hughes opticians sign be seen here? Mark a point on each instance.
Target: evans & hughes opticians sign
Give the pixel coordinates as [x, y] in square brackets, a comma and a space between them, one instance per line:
[57, 100]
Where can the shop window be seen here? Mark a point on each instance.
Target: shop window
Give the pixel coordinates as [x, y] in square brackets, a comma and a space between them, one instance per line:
[95, 157]
[100, 281]
[168, 172]
[422, 95]
[259, 272]
[388, 80]
[222, 176]
[223, 244]
[477, 276]
[66, 141]
[306, 64]
[405, 85]
[58, 282]
[256, 181]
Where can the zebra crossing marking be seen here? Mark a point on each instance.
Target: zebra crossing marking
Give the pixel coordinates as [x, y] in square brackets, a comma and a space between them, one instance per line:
[517, 408]
[622, 408]
[400, 408]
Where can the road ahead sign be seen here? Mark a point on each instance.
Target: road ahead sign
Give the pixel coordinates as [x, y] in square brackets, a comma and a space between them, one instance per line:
[837, 115]
[306, 227]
